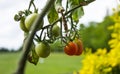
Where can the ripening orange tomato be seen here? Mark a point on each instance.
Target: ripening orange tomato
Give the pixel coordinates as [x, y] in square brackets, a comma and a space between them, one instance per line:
[71, 48]
[80, 47]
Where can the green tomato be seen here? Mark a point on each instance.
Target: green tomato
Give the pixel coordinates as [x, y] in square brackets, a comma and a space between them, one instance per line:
[42, 49]
[22, 25]
[30, 20]
[56, 30]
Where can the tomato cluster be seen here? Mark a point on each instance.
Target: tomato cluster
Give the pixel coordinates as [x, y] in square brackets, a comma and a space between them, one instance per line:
[42, 49]
[27, 21]
[57, 29]
[74, 48]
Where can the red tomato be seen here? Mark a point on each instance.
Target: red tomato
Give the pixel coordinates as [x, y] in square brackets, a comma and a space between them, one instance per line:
[71, 48]
[80, 46]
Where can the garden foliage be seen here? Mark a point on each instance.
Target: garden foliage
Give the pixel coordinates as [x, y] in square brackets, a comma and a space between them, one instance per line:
[103, 62]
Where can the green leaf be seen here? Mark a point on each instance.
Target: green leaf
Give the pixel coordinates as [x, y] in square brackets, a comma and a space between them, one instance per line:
[33, 57]
[52, 15]
[73, 3]
[76, 14]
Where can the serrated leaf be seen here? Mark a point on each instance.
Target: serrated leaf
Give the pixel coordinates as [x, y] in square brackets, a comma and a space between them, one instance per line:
[76, 14]
[33, 57]
[52, 15]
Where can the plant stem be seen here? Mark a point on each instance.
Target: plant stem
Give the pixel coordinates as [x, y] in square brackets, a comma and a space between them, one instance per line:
[66, 14]
[29, 40]
[80, 5]
[30, 4]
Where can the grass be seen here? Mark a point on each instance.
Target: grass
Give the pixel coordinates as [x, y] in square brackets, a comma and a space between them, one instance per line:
[8, 62]
[56, 63]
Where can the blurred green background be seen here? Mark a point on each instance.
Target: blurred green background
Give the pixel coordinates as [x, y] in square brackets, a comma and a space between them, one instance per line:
[56, 63]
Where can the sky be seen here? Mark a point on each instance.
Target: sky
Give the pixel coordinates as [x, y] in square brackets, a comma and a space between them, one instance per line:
[11, 36]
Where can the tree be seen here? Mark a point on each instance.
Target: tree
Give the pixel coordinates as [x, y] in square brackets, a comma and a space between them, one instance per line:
[4, 50]
[96, 35]
[71, 14]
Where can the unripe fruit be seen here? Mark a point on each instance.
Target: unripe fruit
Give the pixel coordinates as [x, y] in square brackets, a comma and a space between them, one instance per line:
[56, 30]
[42, 49]
[30, 20]
[22, 25]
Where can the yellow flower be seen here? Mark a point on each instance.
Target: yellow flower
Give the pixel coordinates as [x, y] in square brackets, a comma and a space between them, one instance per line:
[110, 27]
[113, 62]
[87, 70]
[114, 35]
[107, 69]
[113, 43]
[101, 51]
[118, 46]
[117, 25]
[94, 63]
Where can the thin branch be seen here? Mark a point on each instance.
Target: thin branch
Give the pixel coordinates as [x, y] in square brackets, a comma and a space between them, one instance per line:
[30, 4]
[66, 13]
[29, 40]
[80, 5]
[76, 7]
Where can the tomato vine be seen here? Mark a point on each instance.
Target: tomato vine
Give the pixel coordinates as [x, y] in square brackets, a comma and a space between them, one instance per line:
[69, 20]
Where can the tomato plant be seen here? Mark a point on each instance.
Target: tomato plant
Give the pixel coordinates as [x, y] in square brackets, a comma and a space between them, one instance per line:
[68, 20]
[42, 49]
